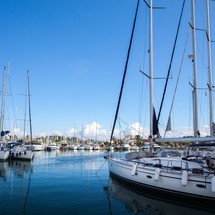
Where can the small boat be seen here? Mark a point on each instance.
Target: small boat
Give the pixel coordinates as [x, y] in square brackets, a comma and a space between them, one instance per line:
[74, 147]
[81, 147]
[52, 147]
[88, 147]
[126, 147]
[38, 146]
[110, 148]
[146, 146]
[134, 148]
[64, 146]
[96, 147]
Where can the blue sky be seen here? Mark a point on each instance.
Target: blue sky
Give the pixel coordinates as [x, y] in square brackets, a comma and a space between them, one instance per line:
[75, 52]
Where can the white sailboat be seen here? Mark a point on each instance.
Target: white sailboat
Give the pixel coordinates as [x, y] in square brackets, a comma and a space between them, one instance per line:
[191, 178]
[20, 150]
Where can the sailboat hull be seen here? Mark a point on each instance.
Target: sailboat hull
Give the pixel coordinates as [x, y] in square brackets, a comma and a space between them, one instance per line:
[4, 154]
[162, 180]
[21, 153]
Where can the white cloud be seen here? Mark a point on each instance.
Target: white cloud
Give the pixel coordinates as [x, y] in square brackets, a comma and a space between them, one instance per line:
[71, 132]
[58, 133]
[134, 129]
[94, 131]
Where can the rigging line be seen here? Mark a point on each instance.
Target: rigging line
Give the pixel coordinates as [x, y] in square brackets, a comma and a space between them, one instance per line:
[130, 126]
[13, 106]
[121, 128]
[170, 65]
[125, 70]
[179, 73]
[141, 102]
[99, 170]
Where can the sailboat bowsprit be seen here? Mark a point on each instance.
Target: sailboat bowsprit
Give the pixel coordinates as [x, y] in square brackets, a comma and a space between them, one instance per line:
[187, 178]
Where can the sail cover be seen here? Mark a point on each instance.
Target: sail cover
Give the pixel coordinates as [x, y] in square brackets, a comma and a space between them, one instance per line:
[155, 124]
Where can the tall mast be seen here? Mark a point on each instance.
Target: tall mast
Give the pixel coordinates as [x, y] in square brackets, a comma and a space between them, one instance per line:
[151, 83]
[210, 84]
[151, 69]
[29, 106]
[25, 111]
[195, 106]
[4, 86]
[74, 135]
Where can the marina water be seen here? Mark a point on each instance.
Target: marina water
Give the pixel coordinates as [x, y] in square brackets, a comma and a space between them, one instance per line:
[74, 182]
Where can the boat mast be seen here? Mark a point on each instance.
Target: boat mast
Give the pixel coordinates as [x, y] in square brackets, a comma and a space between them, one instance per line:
[195, 106]
[151, 83]
[29, 106]
[4, 86]
[27, 100]
[210, 84]
[125, 71]
[26, 97]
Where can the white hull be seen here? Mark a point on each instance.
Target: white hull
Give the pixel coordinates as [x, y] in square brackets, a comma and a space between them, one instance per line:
[4, 154]
[126, 147]
[38, 147]
[81, 147]
[21, 153]
[166, 178]
[73, 147]
[52, 147]
[88, 148]
[96, 147]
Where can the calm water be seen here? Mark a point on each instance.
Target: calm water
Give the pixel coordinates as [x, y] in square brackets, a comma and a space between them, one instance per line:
[73, 183]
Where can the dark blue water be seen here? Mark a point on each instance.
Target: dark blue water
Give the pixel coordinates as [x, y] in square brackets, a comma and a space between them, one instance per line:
[73, 183]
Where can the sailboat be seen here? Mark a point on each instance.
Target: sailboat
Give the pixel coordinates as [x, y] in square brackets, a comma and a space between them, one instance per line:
[190, 177]
[4, 150]
[20, 150]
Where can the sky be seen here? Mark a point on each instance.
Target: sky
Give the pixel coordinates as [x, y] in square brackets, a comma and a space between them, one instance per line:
[75, 52]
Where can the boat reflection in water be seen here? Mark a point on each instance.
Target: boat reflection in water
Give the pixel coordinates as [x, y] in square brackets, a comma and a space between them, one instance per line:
[3, 170]
[15, 168]
[20, 168]
[140, 203]
[15, 180]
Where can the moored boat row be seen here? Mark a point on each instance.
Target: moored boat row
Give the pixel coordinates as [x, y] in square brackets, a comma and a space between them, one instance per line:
[85, 147]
